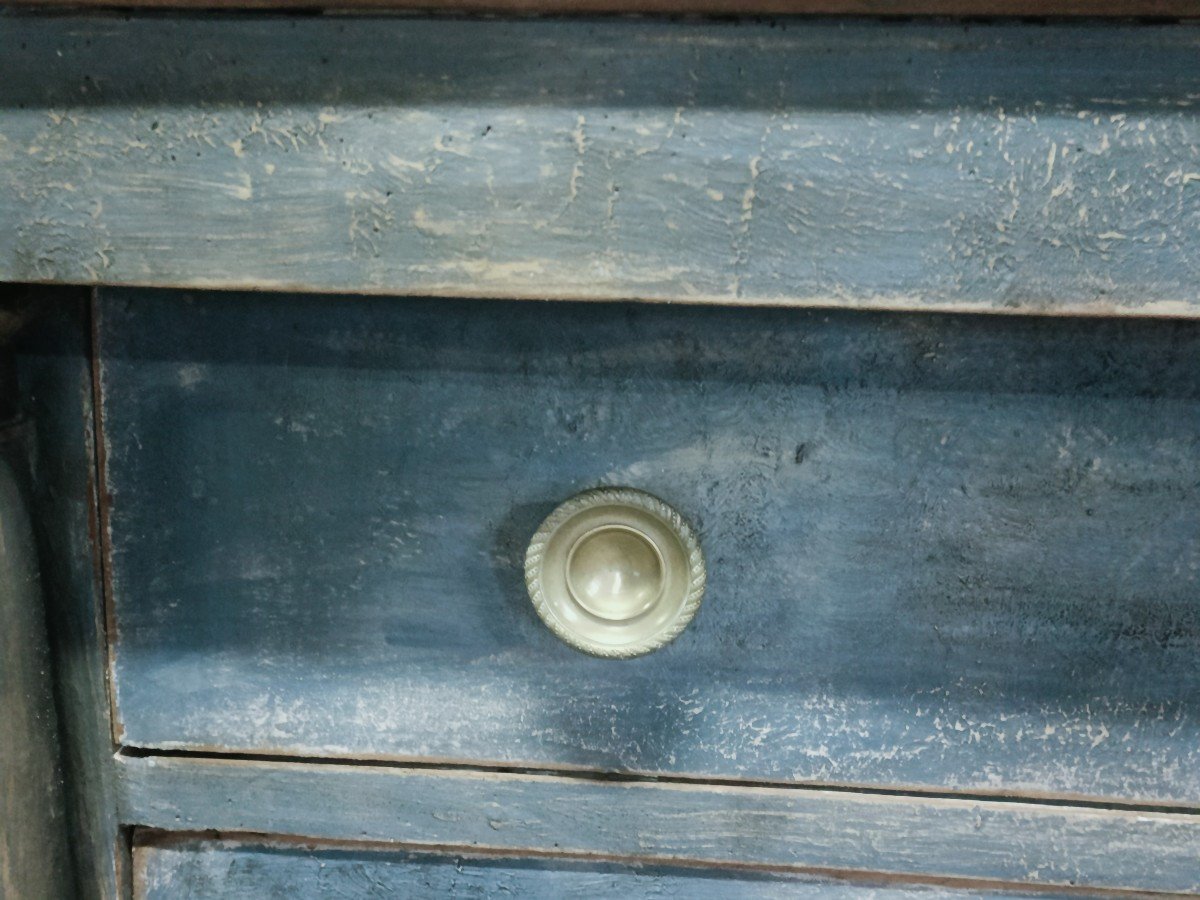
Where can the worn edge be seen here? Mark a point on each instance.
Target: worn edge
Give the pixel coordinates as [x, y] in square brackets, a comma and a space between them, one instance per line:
[1117, 9]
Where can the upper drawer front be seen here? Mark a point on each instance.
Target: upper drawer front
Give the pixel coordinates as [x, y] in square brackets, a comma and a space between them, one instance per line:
[943, 551]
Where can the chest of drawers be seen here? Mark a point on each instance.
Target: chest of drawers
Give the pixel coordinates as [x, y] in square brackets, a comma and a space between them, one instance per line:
[286, 450]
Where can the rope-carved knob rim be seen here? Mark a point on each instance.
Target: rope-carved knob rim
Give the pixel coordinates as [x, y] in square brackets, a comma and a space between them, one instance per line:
[615, 572]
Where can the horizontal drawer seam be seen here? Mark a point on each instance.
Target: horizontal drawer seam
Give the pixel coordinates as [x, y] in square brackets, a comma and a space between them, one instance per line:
[593, 775]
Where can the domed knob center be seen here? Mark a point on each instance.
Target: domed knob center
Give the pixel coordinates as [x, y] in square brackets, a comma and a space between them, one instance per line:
[615, 572]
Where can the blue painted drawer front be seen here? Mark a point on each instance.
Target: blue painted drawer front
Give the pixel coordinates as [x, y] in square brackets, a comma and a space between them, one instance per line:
[944, 551]
[193, 868]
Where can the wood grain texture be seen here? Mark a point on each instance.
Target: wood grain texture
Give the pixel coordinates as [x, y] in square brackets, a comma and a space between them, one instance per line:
[826, 163]
[189, 867]
[54, 376]
[1124, 8]
[943, 551]
[1014, 842]
[34, 859]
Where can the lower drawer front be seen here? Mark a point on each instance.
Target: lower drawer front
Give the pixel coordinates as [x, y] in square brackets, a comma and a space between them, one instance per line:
[801, 830]
[183, 868]
[943, 551]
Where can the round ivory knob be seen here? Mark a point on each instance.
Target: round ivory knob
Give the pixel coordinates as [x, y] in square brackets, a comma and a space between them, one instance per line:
[615, 572]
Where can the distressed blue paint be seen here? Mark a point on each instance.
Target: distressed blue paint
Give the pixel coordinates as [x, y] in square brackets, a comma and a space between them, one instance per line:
[943, 551]
[924, 166]
[187, 868]
[823, 831]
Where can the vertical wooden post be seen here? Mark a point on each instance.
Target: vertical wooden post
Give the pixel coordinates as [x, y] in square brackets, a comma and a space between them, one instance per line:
[34, 862]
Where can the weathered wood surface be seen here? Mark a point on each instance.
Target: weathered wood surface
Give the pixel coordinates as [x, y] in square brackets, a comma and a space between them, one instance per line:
[944, 551]
[819, 830]
[190, 867]
[34, 860]
[686, 7]
[993, 168]
[54, 369]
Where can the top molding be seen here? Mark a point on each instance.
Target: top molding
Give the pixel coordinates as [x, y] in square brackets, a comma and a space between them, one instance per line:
[995, 167]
